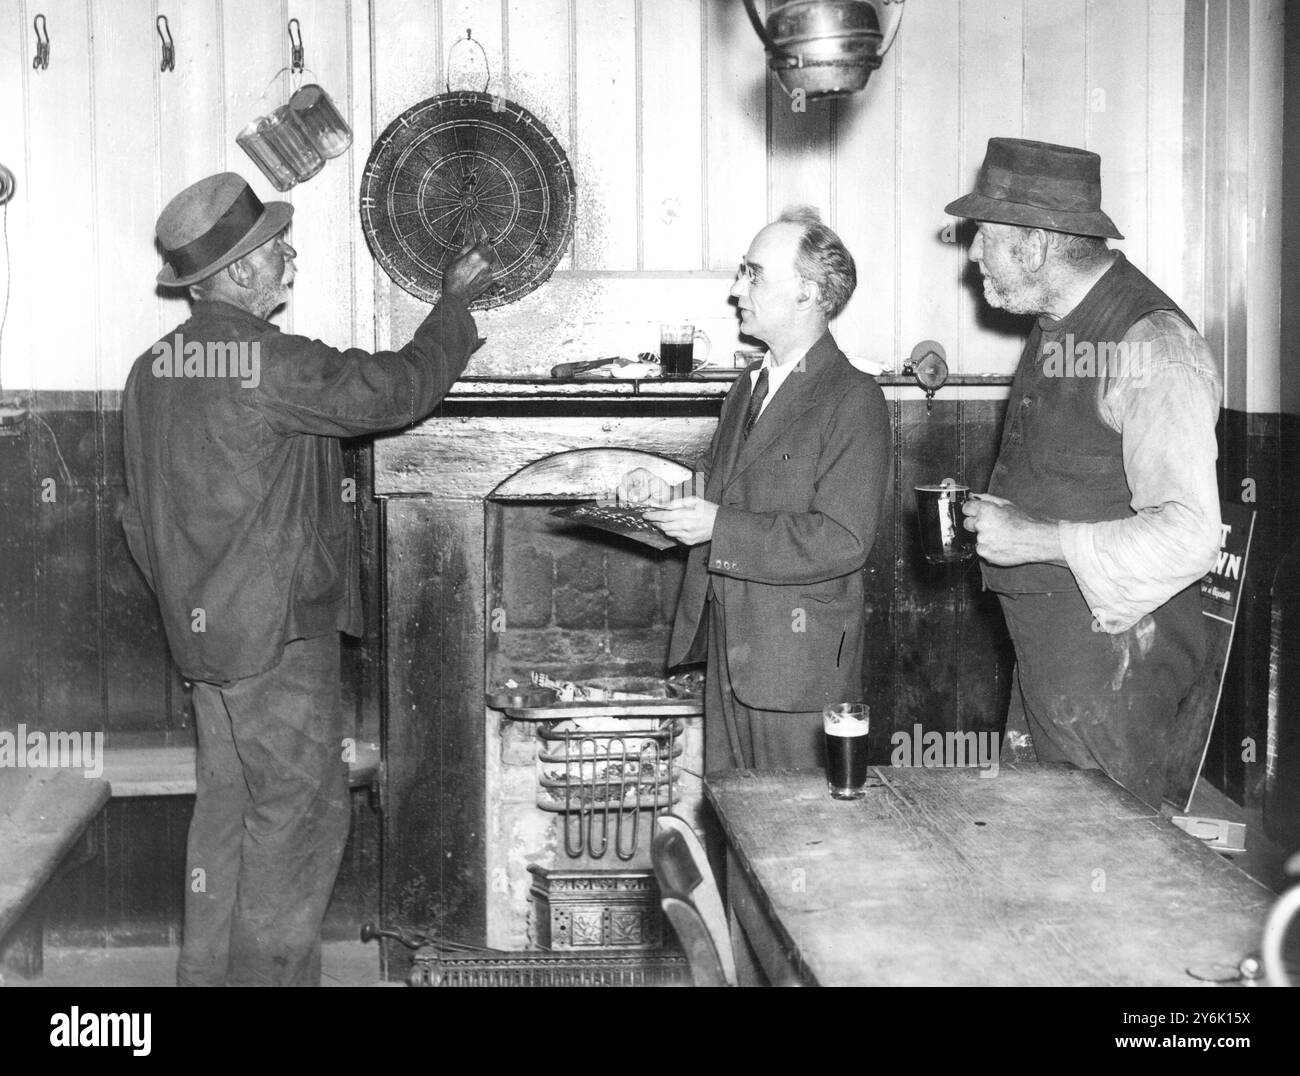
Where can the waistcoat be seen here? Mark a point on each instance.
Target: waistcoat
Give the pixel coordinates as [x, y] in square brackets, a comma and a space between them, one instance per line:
[1058, 458]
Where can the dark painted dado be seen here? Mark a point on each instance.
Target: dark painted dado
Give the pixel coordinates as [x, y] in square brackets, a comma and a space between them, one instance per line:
[81, 646]
[1259, 456]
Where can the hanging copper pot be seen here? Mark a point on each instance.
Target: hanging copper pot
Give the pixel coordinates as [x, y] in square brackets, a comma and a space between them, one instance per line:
[824, 48]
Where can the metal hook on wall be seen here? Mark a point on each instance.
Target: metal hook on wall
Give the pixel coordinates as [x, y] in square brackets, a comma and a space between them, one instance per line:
[41, 61]
[487, 66]
[168, 46]
[296, 61]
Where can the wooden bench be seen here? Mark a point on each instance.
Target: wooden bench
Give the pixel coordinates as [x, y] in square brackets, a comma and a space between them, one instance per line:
[43, 813]
[169, 771]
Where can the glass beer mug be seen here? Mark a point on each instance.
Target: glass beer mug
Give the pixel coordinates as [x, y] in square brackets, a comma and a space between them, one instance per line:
[292, 143]
[314, 113]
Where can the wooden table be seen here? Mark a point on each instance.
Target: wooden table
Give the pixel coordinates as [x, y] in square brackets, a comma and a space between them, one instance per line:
[43, 812]
[1038, 876]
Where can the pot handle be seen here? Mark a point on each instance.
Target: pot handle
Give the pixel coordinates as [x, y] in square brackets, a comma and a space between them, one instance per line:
[487, 67]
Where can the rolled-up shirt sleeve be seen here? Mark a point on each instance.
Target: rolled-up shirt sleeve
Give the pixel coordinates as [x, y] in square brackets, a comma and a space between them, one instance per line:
[1165, 406]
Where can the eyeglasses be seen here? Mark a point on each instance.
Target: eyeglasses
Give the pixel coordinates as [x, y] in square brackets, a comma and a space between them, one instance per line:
[753, 275]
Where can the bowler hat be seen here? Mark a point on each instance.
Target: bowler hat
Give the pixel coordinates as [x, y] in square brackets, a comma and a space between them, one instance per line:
[1038, 185]
[212, 223]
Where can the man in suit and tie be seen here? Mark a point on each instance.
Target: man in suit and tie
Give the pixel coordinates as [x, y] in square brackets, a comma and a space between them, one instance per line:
[793, 484]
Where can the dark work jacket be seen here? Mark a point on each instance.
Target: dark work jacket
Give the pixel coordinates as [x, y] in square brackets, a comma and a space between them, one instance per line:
[237, 511]
[799, 501]
[1058, 459]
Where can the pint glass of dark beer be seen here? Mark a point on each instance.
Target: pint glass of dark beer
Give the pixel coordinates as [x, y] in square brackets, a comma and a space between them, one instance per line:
[846, 725]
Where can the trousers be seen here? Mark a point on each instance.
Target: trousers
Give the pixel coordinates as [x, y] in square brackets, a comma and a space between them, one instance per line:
[738, 737]
[271, 818]
[1103, 701]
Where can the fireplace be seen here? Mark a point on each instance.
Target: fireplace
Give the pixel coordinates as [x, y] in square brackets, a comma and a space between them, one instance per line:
[574, 787]
[482, 584]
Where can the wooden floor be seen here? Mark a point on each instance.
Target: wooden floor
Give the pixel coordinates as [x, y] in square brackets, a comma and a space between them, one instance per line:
[349, 963]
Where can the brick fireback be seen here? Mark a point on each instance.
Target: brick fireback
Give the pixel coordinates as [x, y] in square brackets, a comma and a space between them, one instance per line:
[575, 603]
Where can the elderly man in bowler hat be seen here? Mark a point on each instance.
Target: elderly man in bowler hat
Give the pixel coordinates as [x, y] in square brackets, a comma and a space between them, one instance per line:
[1102, 512]
[240, 517]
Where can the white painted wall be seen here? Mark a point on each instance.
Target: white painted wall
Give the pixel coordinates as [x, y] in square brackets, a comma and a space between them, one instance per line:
[653, 100]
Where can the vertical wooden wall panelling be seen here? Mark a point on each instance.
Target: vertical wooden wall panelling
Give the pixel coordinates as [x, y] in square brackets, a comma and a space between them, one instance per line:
[58, 193]
[638, 192]
[865, 179]
[191, 126]
[1118, 101]
[1253, 342]
[605, 235]
[1194, 126]
[992, 91]
[1055, 76]
[19, 682]
[540, 66]
[991, 86]
[484, 18]
[1215, 181]
[1264, 210]
[360, 114]
[1237, 373]
[1166, 189]
[65, 441]
[930, 122]
[16, 49]
[369, 670]
[60, 133]
[323, 290]
[255, 40]
[735, 103]
[800, 148]
[124, 71]
[407, 57]
[195, 139]
[928, 53]
[671, 135]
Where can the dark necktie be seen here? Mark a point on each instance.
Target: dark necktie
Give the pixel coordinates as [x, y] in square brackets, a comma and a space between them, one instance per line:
[756, 399]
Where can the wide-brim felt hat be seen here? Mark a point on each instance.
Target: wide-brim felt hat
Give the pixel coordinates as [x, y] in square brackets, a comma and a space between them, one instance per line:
[1038, 185]
[212, 223]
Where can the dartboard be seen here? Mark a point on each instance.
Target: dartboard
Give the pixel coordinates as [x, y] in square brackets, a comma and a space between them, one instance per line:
[461, 167]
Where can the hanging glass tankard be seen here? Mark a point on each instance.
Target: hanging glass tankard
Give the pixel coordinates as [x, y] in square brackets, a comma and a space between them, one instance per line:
[292, 143]
[315, 115]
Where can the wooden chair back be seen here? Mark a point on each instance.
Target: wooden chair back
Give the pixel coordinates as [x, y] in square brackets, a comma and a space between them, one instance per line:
[691, 901]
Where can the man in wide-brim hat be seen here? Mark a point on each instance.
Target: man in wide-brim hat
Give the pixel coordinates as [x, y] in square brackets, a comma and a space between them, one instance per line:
[241, 518]
[1103, 512]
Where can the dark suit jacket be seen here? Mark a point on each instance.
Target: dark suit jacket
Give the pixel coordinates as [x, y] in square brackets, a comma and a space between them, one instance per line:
[798, 506]
[237, 504]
